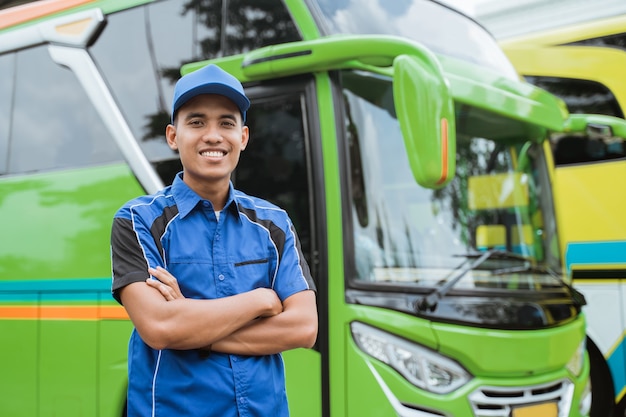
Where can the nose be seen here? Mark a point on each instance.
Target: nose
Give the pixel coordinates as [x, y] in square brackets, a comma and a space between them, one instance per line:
[212, 134]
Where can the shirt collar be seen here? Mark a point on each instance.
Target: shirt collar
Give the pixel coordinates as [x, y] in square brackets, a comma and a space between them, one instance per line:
[187, 199]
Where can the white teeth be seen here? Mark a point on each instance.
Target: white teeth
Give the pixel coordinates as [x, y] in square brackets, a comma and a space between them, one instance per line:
[213, 153]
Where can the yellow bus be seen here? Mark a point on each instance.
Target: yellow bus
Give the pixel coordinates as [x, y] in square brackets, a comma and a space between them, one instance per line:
[585, 65]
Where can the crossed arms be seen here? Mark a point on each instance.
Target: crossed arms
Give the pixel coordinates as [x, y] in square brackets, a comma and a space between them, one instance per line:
[250, 323]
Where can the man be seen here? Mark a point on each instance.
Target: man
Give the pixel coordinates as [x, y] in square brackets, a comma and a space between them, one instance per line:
[213, 280]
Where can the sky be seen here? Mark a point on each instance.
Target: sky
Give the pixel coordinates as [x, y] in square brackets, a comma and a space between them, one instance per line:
[467, 6]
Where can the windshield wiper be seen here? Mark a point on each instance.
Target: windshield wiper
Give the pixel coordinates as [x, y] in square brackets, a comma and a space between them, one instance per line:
[429, 302]
[577, 296]
[497, 254]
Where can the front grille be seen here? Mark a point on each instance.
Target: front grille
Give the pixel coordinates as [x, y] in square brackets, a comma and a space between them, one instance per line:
[500, 401]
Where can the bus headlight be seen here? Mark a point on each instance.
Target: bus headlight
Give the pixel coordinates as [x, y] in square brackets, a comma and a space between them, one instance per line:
[421, 366]
[576, 362]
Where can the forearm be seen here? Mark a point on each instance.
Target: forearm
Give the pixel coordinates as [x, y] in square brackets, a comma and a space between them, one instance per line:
[295, 327]
[190, 323]
[264, 337]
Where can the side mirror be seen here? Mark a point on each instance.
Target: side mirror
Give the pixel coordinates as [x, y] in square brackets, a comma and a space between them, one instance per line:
[425, 111]
[596, 125]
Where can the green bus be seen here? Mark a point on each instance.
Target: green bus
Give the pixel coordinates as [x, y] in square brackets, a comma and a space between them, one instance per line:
[413, 162]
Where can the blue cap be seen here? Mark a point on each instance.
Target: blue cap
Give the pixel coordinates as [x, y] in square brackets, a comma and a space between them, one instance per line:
[209, 80]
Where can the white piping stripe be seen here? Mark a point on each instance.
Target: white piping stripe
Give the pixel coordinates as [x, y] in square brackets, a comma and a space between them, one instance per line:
[156, 371]
[133, 215]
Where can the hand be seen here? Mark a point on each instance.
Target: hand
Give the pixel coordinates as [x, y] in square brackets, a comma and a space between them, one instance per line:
[165, 283]
[273, 304]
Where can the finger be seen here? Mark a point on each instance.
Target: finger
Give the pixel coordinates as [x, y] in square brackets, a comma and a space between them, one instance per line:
[165, 290]
[162, 274]
[165, 277]
[166, 283]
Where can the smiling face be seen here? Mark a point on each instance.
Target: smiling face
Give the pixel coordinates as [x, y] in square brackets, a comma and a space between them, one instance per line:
[209, 135]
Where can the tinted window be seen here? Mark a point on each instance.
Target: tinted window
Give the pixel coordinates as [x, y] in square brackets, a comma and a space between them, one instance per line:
[141, 51]
[5, 4]
[581, 96]
[584, 149]
[6, 95]
[53, 124]
[252, 24]
[274, 165]
[613, 41]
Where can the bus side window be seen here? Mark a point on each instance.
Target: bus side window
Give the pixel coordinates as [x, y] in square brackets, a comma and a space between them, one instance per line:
[584, 149]
[7, 63]
[581, 96]
[275, 165]
[52, 122]
[571, 150]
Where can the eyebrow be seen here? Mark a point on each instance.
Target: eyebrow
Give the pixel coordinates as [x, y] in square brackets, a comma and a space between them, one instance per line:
[204, 116]
[194, 115]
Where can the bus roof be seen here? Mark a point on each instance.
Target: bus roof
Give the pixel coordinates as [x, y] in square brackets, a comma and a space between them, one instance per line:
[20, 14]
[570, 33]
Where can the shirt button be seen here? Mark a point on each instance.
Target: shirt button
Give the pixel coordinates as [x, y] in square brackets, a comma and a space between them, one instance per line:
[220, 277]
[205, 203]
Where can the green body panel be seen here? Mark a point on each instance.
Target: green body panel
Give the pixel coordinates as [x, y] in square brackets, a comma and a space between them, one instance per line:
[301, 13]
[335, 283]
[304, 395]
[510, 354]
[370, 372]
[89, 380]
[472, 84]
[18, 359]
[50, 373]
[78, 372]
[58, 258]
[67, 222]
[112, 366]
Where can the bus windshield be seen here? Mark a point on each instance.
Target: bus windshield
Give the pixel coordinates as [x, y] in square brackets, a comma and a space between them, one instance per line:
[408, 235]
[457, 35]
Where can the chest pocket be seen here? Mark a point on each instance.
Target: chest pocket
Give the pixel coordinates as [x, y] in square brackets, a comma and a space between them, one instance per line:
[254, 272]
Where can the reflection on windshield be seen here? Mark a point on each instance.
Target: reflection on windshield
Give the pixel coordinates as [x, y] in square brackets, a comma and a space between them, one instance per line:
[407, 234]
[154, 40]
[441, 29]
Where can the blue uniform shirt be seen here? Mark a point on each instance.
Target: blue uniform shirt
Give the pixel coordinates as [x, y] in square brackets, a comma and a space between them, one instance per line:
[252, 245]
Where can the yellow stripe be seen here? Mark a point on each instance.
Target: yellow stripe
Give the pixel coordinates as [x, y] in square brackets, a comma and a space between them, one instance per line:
[621, 394]
[596, 281]
[617, 343]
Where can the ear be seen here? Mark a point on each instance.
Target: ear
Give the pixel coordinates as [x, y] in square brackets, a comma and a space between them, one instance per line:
[245, 136]
[170, 135]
